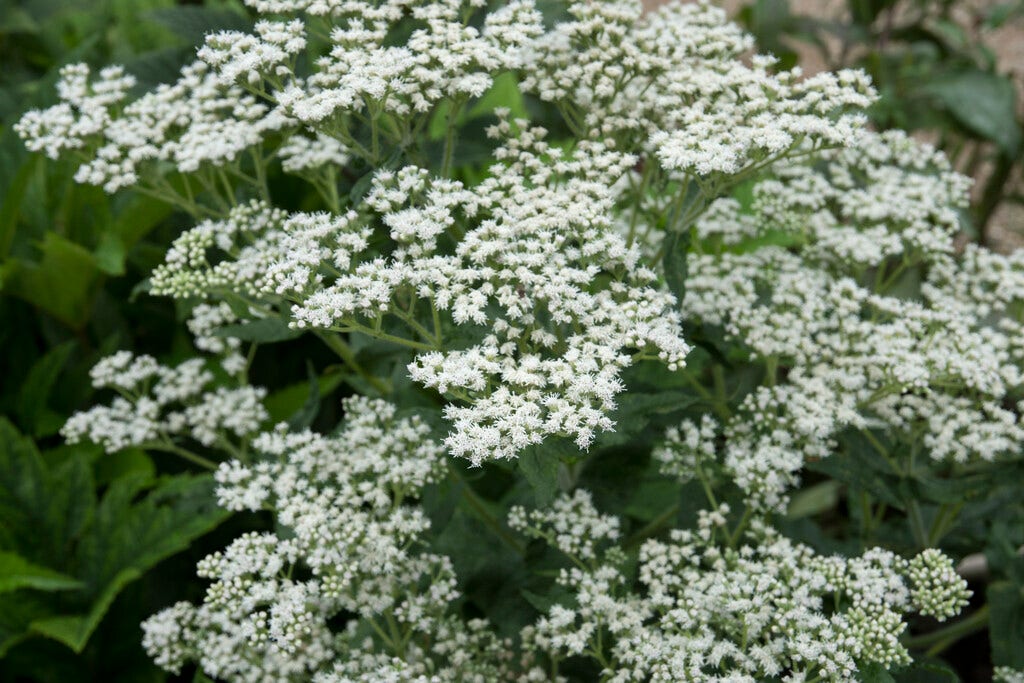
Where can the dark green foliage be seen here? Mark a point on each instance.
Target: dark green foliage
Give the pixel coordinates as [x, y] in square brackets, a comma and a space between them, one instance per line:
[68, 549]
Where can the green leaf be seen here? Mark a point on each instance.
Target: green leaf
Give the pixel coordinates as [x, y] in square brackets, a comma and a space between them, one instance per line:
[927, 671]
[11, 206]
[1006, 624]
[63, 282]
[125, 462]
[286, 403]
[504, 92]
[264, 331]
[814, 500]
[304, 416]
[42, 509]
[192, 23]
[20, 609]
[636, 410]
[540, 468]
[17, 572]
[127, 538]
[983, 102]
[36, 388]
[874, 673]
[110, 253]
[677, 247]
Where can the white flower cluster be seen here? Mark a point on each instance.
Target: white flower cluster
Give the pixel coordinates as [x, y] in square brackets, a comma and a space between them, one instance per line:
[537, 266]
[83, 113]
[767, 609]
[859, 352]
[673, 78]
[192, 123]
[443, 57]
[572, 524]
[1005, 674]
[345, 550]
[155, 404]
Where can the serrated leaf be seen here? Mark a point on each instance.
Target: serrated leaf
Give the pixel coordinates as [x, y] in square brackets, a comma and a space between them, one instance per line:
[16, 572]
[42, 510]
[36, 388]
[264, 331]
[540, 468]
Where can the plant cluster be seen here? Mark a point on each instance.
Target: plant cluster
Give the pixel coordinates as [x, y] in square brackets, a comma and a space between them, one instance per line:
[661, 365]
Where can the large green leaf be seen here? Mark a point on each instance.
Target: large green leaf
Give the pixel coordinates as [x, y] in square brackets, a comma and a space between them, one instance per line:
[983, 102]
[17, 572]
[36, 388]
[539, 466]
[264, 331]
[1006, 623]
[43, 507]
[62, 282]
[57, 535]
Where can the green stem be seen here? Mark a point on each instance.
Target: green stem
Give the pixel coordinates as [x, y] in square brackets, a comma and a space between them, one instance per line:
[193, 458]
[917, 523]
[449, 138]
[737, 534]
[348, 357]
[652, 527]
[937, 641]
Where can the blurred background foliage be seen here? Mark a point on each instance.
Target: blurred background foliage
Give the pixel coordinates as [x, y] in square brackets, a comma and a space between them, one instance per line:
[91, 545]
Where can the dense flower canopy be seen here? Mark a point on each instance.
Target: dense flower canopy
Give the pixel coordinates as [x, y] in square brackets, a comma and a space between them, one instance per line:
[697, 202]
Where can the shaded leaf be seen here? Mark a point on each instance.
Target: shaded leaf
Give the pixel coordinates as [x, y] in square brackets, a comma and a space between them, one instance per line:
[1006, 624]
[36, 388]
[264, 330]
[983, 102]
[17, 572]
[540, 468]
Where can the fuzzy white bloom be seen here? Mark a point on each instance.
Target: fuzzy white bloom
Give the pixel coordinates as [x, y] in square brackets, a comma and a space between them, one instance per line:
[554, 297]
[769, 608]
[190, 124]
[84, 112]
[160, 403]
[571, 524]
[338, 502]
[300, 154]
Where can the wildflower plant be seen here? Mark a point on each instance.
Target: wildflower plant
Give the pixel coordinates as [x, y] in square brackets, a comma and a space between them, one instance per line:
[660, 364]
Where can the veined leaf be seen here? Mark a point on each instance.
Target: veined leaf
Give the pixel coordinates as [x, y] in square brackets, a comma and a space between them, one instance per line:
[17, 572]
[264, 330]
